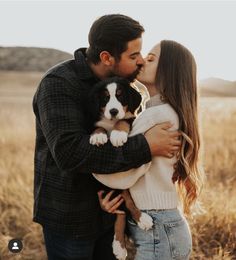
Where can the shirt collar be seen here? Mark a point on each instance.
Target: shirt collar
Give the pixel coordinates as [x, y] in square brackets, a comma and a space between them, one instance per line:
[83, 69]
[154, 101]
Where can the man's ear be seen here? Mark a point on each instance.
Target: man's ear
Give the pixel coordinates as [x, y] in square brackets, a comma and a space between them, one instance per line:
[106, 58]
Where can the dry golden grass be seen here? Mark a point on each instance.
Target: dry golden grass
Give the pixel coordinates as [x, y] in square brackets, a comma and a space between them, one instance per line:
[214, 232]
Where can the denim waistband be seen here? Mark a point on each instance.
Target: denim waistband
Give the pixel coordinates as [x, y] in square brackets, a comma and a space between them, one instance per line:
[158, 210]
[165, 214]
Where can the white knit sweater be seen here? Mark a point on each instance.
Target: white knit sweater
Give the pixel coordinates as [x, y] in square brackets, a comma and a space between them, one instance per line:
[150, 185]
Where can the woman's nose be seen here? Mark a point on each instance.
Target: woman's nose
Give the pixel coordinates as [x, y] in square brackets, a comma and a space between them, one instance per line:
[145, 59]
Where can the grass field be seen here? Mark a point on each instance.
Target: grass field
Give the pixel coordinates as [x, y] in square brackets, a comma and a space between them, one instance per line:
[214, 232]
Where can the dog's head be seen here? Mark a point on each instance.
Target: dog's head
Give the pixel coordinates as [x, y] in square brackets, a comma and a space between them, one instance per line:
[114, 98]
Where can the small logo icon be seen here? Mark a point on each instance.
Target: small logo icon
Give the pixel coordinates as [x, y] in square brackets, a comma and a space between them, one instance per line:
[15, 245]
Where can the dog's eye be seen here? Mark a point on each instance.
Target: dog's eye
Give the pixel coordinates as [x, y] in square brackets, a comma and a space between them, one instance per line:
[118, 92]
[105, 99]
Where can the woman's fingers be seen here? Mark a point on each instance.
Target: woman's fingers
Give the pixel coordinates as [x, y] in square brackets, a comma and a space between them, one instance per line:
[100, 196]
[113, 202]
[115, 206]
[108, 196]
[108, 205]
[119, 212]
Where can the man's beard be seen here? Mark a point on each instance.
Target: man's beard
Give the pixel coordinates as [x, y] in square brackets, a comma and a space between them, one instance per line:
[133, 76]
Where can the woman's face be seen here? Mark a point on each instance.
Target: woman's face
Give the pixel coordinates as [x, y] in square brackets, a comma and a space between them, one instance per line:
[148, 73]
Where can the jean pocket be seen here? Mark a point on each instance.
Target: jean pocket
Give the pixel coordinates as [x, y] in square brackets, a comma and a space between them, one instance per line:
[180, 239]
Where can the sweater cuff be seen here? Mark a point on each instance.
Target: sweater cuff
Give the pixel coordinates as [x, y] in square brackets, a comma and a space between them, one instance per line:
[137, 151]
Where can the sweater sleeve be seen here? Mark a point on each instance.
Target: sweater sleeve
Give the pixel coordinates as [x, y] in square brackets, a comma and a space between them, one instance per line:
[61, 118]
[123, 180]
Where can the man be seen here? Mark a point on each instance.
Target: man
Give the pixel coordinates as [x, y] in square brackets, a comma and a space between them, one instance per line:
[65, 192]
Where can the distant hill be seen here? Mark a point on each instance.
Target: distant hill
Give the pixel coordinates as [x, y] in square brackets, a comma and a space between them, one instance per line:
[30, 58]
[215, 87]
[41, 59]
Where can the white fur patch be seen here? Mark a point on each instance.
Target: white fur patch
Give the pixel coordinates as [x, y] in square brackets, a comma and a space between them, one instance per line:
[98, 139]
[145, 221]
[119, 252]
[118, 138]
[113, 103]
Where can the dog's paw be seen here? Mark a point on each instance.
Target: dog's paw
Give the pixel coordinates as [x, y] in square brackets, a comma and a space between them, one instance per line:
[118, 250]
[98, 139]
[118, 138]
[145, 222]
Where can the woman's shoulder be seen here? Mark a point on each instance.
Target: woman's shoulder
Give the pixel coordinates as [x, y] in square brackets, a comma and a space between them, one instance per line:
[163, 110]
[155, 115]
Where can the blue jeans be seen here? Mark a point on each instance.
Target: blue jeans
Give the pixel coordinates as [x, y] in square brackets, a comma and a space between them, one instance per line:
[169, 238]
[59, 247]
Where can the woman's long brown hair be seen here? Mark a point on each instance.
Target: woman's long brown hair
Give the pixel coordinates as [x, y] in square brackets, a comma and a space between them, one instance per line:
[176, 81]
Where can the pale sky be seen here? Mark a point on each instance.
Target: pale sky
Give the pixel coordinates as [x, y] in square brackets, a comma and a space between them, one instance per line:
[207, 28]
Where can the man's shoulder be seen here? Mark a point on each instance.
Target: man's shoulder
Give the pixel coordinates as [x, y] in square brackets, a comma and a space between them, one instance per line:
[63, 69]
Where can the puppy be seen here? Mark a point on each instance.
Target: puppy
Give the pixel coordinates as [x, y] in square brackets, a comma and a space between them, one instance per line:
[113, 103]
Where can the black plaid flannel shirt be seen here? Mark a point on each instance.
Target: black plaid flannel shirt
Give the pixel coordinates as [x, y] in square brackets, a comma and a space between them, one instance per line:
[65, 192]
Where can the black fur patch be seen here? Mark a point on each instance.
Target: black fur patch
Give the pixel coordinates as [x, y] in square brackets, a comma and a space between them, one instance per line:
[99, 97]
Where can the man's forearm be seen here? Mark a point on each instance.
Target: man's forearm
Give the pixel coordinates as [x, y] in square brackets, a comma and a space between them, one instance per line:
[78, 155]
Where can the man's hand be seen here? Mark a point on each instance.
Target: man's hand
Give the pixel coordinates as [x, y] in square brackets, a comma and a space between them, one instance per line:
[163, 142]
[110, 206]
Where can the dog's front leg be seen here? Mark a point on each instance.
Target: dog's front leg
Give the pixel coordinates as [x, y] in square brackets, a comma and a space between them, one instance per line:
[119, 134]
[143, 220]
[118, 243]
[98, 137]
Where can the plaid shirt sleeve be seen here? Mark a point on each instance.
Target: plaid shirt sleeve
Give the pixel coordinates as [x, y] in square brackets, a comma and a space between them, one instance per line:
[61, 118]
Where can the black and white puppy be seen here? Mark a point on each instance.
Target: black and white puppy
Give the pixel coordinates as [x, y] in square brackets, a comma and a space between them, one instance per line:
[113, 103]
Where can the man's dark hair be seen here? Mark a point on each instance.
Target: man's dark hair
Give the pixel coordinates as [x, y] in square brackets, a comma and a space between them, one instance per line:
[112, 33]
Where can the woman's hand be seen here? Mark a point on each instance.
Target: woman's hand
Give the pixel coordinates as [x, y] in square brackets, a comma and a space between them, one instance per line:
[108, 205]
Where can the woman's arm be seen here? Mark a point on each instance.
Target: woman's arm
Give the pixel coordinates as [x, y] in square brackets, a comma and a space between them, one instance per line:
[123, 180]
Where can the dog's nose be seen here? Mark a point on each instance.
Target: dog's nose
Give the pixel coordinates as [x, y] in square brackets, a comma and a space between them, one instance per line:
[114, 111]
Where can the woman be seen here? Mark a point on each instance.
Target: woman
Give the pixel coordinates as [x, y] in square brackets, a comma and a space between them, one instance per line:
[167, 185]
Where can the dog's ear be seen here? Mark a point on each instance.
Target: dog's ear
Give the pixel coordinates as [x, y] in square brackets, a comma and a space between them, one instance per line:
[135, 99]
